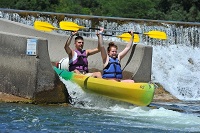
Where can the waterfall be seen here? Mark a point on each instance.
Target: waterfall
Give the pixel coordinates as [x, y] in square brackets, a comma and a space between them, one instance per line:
[176, 64]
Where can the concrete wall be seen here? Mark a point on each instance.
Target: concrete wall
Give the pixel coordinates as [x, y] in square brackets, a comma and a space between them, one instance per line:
[28, 76]
[139, 68]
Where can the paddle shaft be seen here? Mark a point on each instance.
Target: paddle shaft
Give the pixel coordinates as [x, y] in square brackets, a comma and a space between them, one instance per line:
[92, 28]
[116, 35]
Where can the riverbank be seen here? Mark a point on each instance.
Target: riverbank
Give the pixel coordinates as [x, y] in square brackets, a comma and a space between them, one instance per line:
[160, 96]
[13, 99]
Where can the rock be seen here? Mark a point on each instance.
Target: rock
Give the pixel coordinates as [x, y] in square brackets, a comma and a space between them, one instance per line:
[161, 95]
[190, 60]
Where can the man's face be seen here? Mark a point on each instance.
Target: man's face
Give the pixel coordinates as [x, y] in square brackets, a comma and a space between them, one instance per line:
[79, 44]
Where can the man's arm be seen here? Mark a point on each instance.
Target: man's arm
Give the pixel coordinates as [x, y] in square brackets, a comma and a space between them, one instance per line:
[68, 50]
[127, 48]
[100, 41]
[92, 51]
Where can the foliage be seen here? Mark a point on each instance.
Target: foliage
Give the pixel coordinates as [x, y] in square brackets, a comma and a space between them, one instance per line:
[176, 10]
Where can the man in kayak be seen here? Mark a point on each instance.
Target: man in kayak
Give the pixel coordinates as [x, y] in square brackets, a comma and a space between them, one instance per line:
[111, 59]
[78, 58]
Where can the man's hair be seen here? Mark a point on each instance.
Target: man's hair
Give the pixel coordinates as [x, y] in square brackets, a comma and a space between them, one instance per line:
[79, 38]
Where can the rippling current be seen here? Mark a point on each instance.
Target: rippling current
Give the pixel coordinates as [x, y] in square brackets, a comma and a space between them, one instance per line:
[116, 118]
[94, 113]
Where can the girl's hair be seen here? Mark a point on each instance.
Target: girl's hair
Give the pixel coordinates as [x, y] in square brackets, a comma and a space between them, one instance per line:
[111, 44]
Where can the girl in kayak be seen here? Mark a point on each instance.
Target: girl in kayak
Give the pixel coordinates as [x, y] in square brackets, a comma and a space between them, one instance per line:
[111, 59]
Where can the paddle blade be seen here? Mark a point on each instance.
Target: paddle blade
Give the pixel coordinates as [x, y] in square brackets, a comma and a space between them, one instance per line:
[71, 26]
[127, 37]
[44, 26]
[157, 34]
[136, 38]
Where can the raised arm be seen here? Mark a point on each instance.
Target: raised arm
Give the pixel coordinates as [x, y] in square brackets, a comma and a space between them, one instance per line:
[104, 54]
[68, 50]
[100, 41]
[127, 48]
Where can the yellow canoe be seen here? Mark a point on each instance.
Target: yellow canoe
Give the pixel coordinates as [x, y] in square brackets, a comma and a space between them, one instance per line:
[140, 94]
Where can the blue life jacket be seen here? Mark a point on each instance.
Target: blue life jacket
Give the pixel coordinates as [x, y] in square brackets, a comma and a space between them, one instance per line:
[80, 63]
[113, 69]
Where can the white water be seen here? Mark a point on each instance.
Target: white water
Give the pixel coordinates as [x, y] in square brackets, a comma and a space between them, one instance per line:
[177, 68]
[159, 118]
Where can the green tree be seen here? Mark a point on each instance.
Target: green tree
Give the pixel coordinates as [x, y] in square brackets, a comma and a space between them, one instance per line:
[193, 14]
[68, 6]
[36, 5]
[184, 10]
[128, 8]
[176, 12]
[7, 3]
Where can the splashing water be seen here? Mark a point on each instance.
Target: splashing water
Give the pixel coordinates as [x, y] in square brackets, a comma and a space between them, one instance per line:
[177, 68]
[133, 116]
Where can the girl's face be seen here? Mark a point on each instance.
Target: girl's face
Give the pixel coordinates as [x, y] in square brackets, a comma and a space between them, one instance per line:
[113, 52]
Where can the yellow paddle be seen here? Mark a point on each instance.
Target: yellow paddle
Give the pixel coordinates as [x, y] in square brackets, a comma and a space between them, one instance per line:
[152, 34]
[66, 25]
[126, 37]
[155, 34]
[44, 26]
[74, 27]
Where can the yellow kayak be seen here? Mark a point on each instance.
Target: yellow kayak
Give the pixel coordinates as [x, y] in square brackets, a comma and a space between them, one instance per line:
[140, 94]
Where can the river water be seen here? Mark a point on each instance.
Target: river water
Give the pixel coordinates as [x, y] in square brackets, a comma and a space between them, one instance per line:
[94, 113]
[118, 118]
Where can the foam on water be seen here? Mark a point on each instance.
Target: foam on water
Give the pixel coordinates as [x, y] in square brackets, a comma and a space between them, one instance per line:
[160, 117]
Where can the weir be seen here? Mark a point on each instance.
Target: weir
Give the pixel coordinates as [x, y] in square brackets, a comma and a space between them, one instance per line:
[140, 66]
[178, 32]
